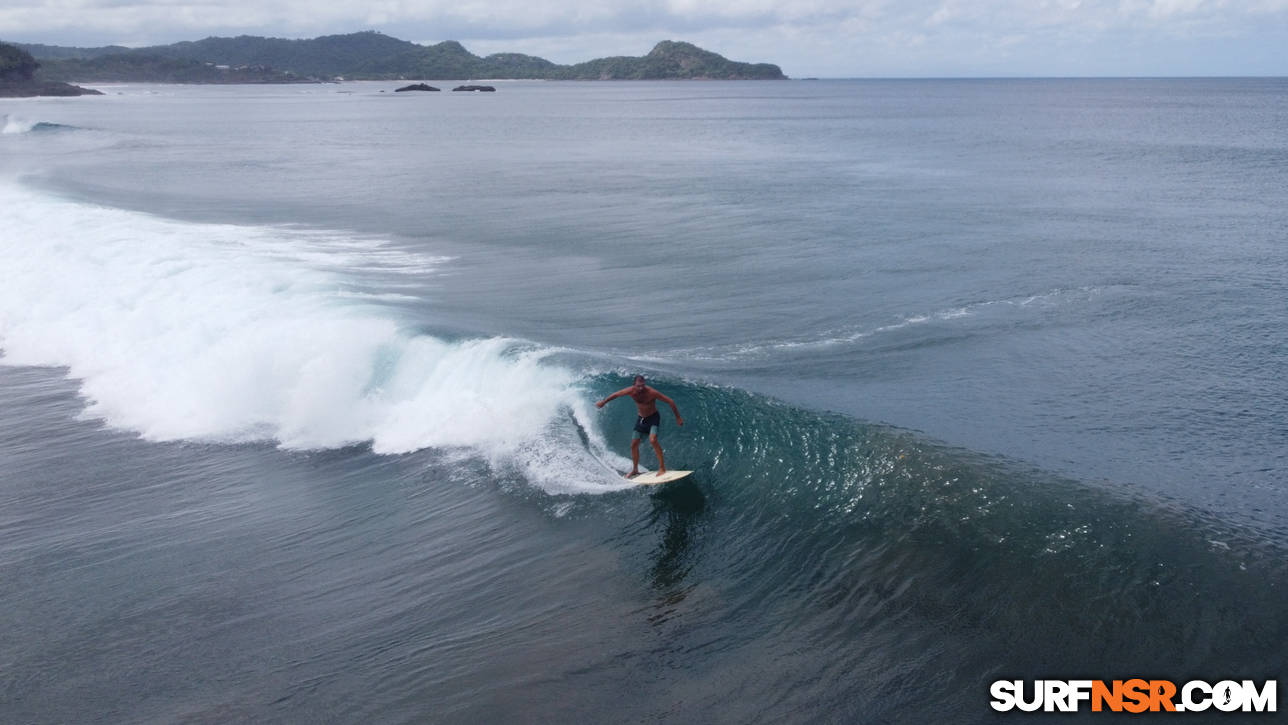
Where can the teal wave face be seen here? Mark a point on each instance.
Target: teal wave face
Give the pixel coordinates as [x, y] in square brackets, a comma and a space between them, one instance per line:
[47, 127]
[862, 543]
[11, 125]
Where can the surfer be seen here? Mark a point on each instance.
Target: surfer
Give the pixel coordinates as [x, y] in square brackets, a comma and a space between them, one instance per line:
[649, 419]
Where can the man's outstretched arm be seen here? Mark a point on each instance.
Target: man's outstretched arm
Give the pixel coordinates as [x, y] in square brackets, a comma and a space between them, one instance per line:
[614, 396]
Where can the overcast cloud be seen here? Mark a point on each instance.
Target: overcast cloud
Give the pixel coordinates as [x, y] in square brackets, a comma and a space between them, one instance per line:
[827, 38]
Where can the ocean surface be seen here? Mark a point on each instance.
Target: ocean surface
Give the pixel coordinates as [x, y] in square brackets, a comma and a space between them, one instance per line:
[980, 380]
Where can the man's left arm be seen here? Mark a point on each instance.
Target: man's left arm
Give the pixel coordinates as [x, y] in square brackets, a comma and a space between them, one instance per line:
[668, 401]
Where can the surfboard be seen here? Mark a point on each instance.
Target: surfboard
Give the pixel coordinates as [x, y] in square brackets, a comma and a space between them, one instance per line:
[653, 479]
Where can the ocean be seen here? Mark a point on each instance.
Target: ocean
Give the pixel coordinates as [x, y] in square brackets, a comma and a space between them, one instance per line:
[981, 379]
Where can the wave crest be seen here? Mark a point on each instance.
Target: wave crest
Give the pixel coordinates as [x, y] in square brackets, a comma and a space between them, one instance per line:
[235, 334]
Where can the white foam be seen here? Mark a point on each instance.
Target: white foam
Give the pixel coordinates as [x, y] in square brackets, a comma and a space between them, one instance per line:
[14, 124]
[238, 333]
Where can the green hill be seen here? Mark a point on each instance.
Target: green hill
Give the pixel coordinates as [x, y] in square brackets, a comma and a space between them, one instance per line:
[56, 52]
[324, 57]
[138, 66]
[369, 55]
[16, 64]
[448, 59]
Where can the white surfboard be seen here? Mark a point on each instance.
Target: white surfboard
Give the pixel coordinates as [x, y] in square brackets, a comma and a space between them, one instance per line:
[653, 478]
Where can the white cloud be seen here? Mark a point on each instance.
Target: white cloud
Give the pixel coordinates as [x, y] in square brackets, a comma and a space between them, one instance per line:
[1171, 8]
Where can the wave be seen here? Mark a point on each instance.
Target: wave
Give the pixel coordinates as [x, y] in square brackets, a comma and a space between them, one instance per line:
[849, 336]
[233, 334]
[16, 125]
[860, 544]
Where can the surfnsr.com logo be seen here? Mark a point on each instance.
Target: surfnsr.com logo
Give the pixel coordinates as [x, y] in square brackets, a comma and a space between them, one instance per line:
[1134, 696]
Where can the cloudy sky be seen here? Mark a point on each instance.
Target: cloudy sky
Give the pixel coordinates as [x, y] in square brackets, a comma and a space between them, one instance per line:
[825, 38]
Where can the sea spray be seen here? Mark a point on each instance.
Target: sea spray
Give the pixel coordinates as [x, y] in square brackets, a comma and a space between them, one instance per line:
[234, 334]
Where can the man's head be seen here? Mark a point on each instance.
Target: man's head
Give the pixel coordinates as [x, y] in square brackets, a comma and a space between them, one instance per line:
[639, 382]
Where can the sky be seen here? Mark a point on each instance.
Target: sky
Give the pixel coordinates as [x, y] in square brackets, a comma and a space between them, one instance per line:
[807, 38]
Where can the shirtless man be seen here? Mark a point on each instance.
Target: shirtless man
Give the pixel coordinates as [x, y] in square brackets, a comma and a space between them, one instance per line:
[649, 419]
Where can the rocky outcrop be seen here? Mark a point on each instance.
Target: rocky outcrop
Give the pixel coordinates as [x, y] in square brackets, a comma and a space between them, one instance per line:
[671, 60]
[36, 88]
[17, 69]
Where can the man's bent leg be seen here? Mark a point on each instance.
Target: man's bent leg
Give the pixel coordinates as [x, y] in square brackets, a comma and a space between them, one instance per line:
[657, 448]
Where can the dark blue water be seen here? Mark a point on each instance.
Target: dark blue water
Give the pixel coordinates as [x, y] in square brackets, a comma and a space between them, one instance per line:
[980, 379]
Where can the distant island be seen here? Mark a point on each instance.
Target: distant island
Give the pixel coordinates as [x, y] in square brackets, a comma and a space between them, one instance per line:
[367, 55]
[17, 77]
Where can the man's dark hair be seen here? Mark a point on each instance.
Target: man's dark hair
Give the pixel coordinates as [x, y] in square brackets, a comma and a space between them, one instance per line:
[639, 378]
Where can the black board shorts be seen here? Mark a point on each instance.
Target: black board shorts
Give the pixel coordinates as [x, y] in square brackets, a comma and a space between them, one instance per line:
[647, 426]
